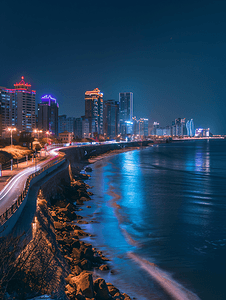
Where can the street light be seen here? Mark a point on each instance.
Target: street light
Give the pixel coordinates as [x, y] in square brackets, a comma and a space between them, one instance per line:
[11, 129]
[48, 134]
[37, 131]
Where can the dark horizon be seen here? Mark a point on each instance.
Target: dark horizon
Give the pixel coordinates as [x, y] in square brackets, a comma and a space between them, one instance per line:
[171, 55]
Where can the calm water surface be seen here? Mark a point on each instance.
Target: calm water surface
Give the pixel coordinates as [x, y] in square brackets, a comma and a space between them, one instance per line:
[160, 216]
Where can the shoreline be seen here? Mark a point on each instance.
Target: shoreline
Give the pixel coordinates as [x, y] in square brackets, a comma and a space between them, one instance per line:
[175, 289]
[102, 264]
[90, 218]
[98, 260]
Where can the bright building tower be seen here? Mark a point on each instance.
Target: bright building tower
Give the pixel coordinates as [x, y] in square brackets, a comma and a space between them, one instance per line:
[94, 111]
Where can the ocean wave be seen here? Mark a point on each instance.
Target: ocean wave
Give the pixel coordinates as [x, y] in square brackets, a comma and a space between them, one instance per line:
[165, 280]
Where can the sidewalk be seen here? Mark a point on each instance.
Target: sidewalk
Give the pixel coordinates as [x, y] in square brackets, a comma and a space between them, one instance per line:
[8, 174]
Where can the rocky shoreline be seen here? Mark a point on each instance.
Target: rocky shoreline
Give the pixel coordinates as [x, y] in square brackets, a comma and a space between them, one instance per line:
[80, 256]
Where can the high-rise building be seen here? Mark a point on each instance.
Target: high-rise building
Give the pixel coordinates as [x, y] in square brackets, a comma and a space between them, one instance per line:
[48, 114]
[7, 97]
[178, 127]
[155, 127]
[78, 128]
[85, 127]
[18, 107]
[94, 111]
[66, 124]
[111, 118]
[166, 131]
[125, 110]
[140, 127]
[25, 104]
[190, 128]
[62, 123]
[71, 124]
[143, 127]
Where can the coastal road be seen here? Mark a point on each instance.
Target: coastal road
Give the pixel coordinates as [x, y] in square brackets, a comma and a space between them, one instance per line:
[14, 188]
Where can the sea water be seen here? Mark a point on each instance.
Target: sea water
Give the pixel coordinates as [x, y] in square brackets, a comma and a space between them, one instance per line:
[159, 214]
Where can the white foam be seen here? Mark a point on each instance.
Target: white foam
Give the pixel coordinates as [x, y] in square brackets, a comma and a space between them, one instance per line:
[171, 287]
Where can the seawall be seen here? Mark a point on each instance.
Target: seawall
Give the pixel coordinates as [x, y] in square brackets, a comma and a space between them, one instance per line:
[75, 156]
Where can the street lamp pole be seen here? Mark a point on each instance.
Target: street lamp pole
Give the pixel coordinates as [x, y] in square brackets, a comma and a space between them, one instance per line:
[11, 129]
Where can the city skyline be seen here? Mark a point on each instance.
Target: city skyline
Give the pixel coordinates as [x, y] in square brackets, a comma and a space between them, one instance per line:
[170, 55]
[94, 118]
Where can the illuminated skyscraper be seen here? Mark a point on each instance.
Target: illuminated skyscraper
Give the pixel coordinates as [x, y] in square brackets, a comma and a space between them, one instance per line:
[125, 110]
[178, 127]
[155, 127]
[94, 111]
[18, 107]
[143, 127]
[111, 117]
[192, 128]
[140, 127]
[188, 127]
[48, 114]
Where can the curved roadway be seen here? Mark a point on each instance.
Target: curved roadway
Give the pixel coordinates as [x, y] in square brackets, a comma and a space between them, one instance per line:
[14, 188]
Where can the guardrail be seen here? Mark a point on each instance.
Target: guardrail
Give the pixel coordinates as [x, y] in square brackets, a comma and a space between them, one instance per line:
[13, 208]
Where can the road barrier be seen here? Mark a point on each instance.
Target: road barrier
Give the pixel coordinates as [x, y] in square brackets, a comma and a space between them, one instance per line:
[16, 205]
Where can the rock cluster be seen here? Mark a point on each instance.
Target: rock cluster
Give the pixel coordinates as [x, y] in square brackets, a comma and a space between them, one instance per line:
[81, 257]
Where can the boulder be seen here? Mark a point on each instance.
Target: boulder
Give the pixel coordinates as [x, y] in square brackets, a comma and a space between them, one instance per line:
[58, 225]
[126, 297]
[118, 296]
[77, 253]
[112, 289]
[88, 169]
[88, 253]
[84, 284]
[70, 291]
[85, 264]
[75, 244]
[80, 233]
[79, 202]
[86, 198]
[101, 289]
[67, 279]
[82, 222]
[76, 270]
[79, 297]
[104, 268]
[70, 207]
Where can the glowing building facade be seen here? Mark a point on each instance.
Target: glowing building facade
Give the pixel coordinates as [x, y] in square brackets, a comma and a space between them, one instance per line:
[48, 114]
[94, 111]
[17, 107]
[140, 127]
[178, 127]
[201, 132]
[190, 128]
[125, 111]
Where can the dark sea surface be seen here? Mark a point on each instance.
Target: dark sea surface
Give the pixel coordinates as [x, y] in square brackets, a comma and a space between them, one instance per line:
[160, 216]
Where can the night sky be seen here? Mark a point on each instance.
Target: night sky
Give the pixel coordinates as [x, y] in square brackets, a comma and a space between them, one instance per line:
[170, 54]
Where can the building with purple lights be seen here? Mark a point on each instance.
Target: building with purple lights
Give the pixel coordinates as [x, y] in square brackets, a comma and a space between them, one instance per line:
[48, 114]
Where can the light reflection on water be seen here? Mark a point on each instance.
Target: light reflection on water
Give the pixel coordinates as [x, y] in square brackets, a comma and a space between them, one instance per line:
[166, 204]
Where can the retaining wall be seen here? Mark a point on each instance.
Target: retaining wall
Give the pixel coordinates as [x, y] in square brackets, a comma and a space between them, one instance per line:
[8, 225]
[74, 155]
